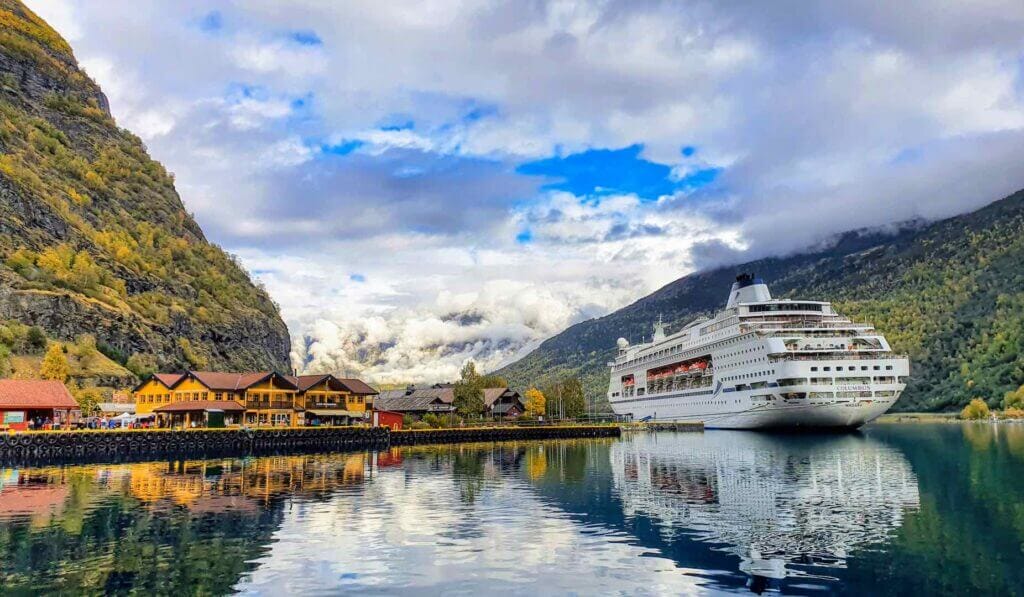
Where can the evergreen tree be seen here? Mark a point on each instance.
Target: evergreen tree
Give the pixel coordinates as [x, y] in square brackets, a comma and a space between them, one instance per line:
[469, 392]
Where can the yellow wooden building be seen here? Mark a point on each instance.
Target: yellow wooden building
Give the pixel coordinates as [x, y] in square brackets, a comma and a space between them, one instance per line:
[264, 398]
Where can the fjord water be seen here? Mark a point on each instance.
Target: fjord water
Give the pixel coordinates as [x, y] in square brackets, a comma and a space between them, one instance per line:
[893, 509]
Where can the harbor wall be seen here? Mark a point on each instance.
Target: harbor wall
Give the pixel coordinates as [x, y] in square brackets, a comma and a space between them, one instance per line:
[56, 447]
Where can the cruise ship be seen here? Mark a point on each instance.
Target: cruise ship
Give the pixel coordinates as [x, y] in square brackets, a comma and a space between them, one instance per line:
[760, 363]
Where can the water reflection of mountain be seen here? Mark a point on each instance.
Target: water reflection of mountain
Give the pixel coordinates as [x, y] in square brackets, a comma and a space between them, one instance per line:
[788, 506]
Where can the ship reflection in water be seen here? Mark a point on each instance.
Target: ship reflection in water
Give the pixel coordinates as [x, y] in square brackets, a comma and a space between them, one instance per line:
[787, 506]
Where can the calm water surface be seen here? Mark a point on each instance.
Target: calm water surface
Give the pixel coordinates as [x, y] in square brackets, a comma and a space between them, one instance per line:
[895, 509]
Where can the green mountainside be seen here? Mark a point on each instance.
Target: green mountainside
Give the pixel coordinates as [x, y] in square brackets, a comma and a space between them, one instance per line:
[93, 236]
[950, 294]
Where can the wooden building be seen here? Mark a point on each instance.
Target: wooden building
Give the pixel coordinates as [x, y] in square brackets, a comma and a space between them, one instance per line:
[503, 403]
[25, 401]
[263, 398]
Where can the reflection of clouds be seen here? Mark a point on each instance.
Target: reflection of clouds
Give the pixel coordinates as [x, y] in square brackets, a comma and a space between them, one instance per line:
[774, 502]
[411, 529]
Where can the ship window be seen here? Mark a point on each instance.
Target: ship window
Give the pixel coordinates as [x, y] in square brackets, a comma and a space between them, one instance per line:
[876, 368]
[828, 368]
[888, 367]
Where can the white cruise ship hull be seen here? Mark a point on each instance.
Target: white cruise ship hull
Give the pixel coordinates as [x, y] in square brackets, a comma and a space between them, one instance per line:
[793, 415]
[761, 363]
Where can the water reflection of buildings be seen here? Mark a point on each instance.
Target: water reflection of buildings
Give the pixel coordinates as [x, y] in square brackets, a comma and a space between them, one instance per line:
[784, 505]
[216, 486]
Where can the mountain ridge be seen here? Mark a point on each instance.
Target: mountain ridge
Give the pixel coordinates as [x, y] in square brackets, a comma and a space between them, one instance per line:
[94, 238]
[949, 293]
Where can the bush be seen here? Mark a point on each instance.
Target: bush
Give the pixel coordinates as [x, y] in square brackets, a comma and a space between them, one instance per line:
[1013, 413]
[435, 421]
[975, 411]
[1014, 399]
[419, 425]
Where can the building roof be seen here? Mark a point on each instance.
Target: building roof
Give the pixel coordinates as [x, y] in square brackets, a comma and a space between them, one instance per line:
[348, 384]
[504, 407]
[35, 393]
[194, 405]
[116, 407]
[412, 400]
[232, 382]
[357, 386]
[304, 382]
[169, 380]
[491, 395]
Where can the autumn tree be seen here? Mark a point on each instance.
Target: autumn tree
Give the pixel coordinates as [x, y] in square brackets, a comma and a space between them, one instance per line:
[88, 399]
[1014, 399]
[55, 364]
[535, 402]
[976, 410]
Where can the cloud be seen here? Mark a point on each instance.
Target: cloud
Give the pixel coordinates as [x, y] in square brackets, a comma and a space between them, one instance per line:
[528, 157]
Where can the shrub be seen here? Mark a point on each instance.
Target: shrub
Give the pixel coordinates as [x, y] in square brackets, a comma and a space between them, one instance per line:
[976, 410]
[419, 425]
[1014, 399]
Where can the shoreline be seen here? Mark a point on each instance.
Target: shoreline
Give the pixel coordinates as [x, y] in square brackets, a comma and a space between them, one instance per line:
[71, 447]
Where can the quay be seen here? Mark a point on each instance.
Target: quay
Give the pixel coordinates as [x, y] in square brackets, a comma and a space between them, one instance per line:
[59, 447]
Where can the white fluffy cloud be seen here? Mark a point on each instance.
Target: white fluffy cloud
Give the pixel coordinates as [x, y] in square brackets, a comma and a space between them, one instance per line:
[362, 156]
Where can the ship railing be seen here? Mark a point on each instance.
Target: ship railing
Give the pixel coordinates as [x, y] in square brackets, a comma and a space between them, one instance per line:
[863, 356]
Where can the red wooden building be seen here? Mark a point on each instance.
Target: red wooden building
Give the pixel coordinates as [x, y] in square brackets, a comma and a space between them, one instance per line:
[24, 401]
[387, 418]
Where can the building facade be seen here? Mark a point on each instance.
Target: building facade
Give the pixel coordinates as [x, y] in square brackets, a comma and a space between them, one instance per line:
[264, 398]
[26, 403]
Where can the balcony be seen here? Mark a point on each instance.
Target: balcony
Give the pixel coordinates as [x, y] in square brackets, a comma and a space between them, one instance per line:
[268, 404]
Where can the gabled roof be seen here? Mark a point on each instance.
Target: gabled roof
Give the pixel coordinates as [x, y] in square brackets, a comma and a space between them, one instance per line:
[491, 395]
[304, 382]
[233, 382]
[169, 380]
[35, 393]
[410, 400]
[348, 384]
[358, 386]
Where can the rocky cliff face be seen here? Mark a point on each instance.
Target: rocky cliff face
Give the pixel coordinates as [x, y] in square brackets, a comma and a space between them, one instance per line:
[94, 239]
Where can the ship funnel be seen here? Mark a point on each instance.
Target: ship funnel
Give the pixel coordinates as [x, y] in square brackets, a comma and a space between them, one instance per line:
[748, 289]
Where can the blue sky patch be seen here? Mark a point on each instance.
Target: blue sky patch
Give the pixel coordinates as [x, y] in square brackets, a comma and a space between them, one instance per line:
[699, 178]
[357, 278]
[525, 237]
[211, 22]
[305, 38]
[688, 151]
[605, 171]
[344, 147]
[404, 125]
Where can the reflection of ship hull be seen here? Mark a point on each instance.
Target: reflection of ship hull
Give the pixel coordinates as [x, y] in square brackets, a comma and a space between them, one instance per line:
[781, 504]
[833, 415]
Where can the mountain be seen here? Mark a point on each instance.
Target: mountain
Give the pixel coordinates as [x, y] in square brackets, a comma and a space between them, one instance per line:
[94, 239]
[949, 293]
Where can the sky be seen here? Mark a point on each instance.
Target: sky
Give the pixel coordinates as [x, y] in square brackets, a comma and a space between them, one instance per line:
[419, 184]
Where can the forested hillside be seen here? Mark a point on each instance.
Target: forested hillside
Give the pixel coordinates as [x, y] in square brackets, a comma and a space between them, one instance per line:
[950, 294]
[93, 236]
